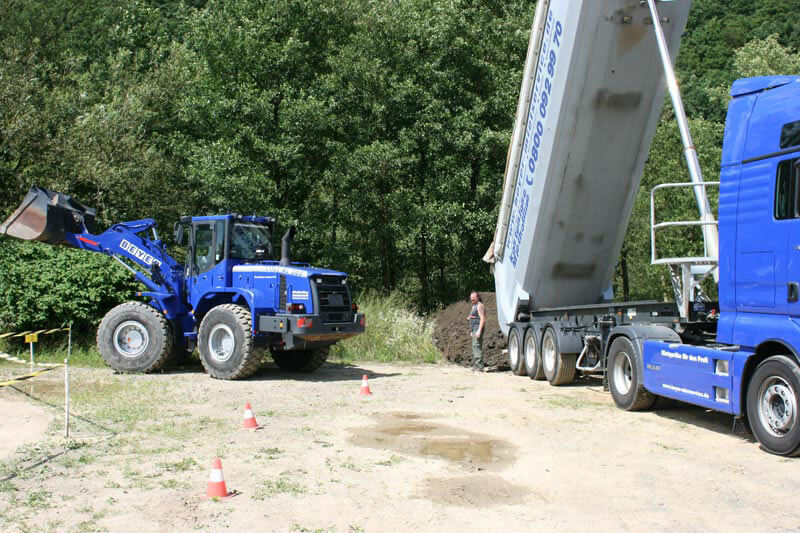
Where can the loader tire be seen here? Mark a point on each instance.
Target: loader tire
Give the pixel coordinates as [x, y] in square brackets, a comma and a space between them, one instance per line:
[559, 368]
[623, 377]
[134, 337]
[225, 343]
[301, 361]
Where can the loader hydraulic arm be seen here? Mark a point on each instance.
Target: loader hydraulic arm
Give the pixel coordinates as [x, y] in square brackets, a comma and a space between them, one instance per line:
[123, 243]
[56, 218]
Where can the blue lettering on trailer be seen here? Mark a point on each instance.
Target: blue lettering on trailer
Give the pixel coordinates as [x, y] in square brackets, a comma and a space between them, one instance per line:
[535, 131]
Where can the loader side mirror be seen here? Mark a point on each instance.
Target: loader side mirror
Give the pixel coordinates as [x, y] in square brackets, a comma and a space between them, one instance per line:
[178, 233]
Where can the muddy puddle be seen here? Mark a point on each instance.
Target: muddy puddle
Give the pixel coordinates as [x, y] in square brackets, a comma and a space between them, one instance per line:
[415, 434]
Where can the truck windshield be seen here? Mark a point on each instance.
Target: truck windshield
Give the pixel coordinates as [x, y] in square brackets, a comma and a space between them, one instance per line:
[251, 241]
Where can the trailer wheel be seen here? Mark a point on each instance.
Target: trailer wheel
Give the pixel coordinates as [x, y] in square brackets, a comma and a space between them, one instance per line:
[225, 342]
[515, 352]
[531, 357]
[623, 377]
[772, 403]
[301, 361]
[559, 368]
[134, 337]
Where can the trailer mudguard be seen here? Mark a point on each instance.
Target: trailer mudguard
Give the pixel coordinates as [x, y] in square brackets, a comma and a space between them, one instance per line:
[638, 335]
[569, 342]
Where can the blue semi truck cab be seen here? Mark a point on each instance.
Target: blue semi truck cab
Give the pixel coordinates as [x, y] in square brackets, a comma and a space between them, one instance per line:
[232, 298]
[752, 367]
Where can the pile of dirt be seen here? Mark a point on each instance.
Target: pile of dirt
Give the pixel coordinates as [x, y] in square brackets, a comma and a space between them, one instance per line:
[452, 334]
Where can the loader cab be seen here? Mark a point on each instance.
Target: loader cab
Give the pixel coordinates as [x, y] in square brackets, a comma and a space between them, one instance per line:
[215, 244]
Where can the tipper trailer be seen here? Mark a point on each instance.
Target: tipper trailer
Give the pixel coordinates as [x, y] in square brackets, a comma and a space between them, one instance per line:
[591, 96]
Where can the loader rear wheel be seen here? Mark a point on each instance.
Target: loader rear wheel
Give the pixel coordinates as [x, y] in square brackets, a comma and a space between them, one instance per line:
[225, 343]
[301, 361]
[532, 356]
[623, 377]
[772, 405]
[559, 368]
[134, 337]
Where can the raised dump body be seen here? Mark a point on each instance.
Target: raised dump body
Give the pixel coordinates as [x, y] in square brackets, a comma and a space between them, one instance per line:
[591, 97]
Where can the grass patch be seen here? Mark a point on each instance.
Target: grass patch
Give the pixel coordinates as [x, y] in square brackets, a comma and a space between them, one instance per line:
[180, 466]
[54, 349]
[268, 453]
[395, 332]
[283, 485]
[38, 499]
[122, 403]
[570, 403]
[392, 460]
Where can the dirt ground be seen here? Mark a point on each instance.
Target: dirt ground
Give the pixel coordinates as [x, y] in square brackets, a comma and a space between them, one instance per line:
[435, 448]
[451, 334]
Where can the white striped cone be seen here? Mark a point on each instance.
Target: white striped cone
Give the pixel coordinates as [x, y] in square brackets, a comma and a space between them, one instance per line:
[216, 483]
[249, 418]
[365, 387]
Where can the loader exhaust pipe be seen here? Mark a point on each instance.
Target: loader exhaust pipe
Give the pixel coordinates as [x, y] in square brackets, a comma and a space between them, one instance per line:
[286, 243]
[47, 216]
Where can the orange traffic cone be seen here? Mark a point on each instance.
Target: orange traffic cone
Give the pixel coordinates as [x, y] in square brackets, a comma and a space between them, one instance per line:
[249, 419]
[365, 387]
[216, 483]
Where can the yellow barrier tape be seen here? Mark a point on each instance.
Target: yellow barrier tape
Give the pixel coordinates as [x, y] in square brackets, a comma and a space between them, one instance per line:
[11, 358]
[31, 332]
[18, 379]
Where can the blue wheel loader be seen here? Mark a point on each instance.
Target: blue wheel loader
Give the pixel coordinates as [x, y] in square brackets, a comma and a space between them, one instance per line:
[232, 300]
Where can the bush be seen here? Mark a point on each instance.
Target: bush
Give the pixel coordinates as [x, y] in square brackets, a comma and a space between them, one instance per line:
[45, 286]
[395, 332]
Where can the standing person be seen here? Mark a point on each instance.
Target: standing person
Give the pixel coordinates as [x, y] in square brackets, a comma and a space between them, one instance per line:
[477, 323]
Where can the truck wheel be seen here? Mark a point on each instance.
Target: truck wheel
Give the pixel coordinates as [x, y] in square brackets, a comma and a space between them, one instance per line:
[303, 361]
[623, 377]
[515, 352]
[772, 402]
[559, 368]
[225, 342]
[134, 337]
[531, 357]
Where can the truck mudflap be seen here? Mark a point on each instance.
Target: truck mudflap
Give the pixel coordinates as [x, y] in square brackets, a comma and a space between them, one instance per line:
[48, 216]
[692, 374]
[300, 331]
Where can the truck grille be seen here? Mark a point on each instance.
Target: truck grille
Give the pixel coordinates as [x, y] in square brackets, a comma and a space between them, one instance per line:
[334, 300]
[281, 292]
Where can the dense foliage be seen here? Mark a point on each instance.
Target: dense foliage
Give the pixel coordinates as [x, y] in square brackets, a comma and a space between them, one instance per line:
[380, 128]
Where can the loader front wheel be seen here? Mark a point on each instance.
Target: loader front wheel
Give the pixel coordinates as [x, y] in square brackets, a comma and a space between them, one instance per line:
[134, 337]
[225, 343]
[303, 361]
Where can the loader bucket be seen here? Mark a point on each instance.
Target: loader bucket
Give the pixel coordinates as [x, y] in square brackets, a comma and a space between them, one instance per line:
[47, 216]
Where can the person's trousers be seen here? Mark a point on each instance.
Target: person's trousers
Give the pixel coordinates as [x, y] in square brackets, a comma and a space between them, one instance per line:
[477, 352]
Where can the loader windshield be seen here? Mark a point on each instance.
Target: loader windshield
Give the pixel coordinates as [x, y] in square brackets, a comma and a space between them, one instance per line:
[251, 241]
